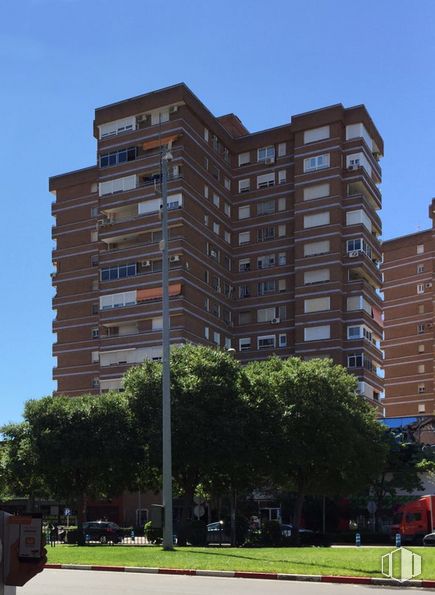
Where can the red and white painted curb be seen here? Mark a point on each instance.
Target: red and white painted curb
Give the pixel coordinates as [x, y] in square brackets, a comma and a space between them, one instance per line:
[319, 578]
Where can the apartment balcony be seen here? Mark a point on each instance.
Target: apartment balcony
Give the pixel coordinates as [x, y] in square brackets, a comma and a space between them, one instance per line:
[359, 190]
[360, 174]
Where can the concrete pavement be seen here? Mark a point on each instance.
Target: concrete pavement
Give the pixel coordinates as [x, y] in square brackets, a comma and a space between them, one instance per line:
[80, 582]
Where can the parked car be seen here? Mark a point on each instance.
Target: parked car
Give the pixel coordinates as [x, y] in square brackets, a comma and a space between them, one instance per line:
[102, 531]
[429, 539]
[216, 533]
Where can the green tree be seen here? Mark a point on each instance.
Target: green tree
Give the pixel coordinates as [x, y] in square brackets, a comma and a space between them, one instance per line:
[19, 471]
[321, 437]
[83, 446]
[209, 416]
[403, 467]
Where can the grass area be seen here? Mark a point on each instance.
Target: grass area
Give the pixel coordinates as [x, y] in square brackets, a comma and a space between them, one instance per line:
[333, 561]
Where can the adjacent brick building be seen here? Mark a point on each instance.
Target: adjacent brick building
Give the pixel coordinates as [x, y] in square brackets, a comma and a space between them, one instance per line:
[409, 324]
[273, 240]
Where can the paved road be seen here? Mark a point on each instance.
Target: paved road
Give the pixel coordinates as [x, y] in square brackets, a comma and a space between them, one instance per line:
[82, 582]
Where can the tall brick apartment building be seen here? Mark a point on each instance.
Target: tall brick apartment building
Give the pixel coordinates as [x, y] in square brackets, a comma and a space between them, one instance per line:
[409, 324]
[273, 240]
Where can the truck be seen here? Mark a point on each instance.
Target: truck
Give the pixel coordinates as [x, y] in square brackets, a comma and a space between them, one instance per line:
[415, 519]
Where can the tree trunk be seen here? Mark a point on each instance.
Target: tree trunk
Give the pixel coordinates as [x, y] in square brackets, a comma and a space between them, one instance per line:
[187, 503]
[30, 505]
[82, 506]
[297, 513]
[233, 507]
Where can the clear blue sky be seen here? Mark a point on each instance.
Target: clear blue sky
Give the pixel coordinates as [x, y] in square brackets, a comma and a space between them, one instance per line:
[264, 61]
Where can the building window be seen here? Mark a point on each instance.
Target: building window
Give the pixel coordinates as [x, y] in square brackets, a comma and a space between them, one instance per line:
[316, 163]
[227, 237]
[244, 265]
[266, 287]
[227, 209]
[319, 276]
[281, 150]
[265, 262]
[420, 288]
[281, 231]
[95, 333]
[358, 245]
[216, 228]
[420, 328]
[355, 360]
[282, 177]
[119, 272]
[282, 285]
[244, 212]
[217, 338]
[317, 191]
[316, 134]
[266, 153]
[244, 237]
[317, 333]
[264, 234]
[354, 332]
[266, 180]
[420, 268]
[216, 200]
[421, 388]
[420, 248]
[244, 317]
[227, 183]
[266, 315]
[244, 344]
[421, 368]
[317, 248]
[205, 191]
[282, 258]
[206, 220]
[244, 291]
[95, 383]
[244, 185]
[118, 157]
[316, 220]
[421, 407]
[266, 207]
[206, 332]
[317, 304]
[282, 204]
[244, 159]
[95, 211]
[206, 134]
[94, 260]
[283, 340]
[266, 342]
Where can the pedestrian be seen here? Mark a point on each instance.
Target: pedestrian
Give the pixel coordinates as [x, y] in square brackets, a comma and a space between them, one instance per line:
[53, 534]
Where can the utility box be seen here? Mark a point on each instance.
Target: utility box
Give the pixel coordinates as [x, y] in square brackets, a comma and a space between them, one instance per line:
[156, 516]
[4, 554]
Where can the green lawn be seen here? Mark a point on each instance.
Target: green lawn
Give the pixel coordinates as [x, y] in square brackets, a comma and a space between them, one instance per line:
[334, 561]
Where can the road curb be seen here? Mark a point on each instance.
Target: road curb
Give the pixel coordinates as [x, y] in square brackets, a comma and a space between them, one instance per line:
[318, 578]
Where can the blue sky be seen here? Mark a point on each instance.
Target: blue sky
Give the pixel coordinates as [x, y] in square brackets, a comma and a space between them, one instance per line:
[264, 61]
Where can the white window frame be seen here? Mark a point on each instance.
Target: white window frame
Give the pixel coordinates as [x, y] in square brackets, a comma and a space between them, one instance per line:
[266, 338]
[244, 185]
[317, 162]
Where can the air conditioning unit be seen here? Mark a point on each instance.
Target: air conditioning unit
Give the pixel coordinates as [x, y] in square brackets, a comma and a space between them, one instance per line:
[428, 284]
[146, 263]
[269, 160]
[354, 253]
[275, 321]
[174, 258]
[213, 253]
[429, 325]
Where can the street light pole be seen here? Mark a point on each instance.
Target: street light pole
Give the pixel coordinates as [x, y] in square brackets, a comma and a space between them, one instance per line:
[168, 540]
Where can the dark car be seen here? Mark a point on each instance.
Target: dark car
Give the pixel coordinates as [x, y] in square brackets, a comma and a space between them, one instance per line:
[429, 539]
[102, 531]
[216, 533]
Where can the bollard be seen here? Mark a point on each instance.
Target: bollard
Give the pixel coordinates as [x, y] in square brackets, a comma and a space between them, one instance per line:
[358, 539]
[398, 540]
[132, 535]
